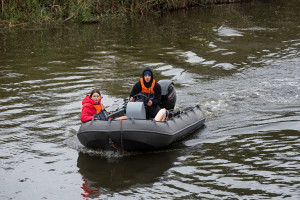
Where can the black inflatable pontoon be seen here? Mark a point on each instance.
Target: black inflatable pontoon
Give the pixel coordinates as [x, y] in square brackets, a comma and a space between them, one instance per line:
[139, 135]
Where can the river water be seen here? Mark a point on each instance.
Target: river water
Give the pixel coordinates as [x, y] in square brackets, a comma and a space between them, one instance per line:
[241, 63]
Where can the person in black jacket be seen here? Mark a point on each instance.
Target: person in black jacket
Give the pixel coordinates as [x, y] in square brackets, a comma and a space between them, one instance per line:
[147, 86]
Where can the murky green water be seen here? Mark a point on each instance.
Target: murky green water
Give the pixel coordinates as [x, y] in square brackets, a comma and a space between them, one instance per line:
[240, 62]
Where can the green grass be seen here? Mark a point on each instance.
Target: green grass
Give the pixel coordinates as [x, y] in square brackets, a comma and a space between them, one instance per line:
[14, 12]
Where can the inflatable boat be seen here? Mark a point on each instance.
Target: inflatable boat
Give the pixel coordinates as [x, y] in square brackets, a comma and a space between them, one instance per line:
[138, 133]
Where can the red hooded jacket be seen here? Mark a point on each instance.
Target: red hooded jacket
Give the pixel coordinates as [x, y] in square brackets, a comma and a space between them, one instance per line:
[88, 110]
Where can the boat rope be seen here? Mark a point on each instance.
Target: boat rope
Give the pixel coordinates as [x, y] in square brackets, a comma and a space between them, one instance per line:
[121, 127]
[113, 145]
[122, 145]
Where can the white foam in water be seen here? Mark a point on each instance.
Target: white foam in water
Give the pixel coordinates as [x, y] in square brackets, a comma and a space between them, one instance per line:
[211, 62]
[193, 58]
[214, 107]
[228, 53]
[178, 75]
[99, 52]
[173, 72]
[56, 62]
[226, 66]
[74, 143]
[166, 67]
[14, 75]
[226, 31]
[212, 45]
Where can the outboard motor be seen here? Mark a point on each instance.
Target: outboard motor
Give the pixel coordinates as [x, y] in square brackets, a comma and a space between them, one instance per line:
[168, 94]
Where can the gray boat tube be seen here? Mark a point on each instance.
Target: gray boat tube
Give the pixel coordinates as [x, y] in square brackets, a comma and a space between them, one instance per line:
[139, 135]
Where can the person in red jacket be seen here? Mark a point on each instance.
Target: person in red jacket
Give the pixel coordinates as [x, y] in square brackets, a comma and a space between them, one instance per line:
[92, 106]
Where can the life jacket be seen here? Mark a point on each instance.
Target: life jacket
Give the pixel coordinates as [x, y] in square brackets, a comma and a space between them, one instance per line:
[145, 89]
[98, 107]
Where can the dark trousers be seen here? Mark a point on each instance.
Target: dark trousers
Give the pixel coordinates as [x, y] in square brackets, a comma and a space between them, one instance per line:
[151, 111]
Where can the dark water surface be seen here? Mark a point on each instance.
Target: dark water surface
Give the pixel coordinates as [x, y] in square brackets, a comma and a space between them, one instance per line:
[240, 62]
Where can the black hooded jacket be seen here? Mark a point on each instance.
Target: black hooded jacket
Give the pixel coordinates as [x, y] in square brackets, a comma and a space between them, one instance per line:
[137, 88]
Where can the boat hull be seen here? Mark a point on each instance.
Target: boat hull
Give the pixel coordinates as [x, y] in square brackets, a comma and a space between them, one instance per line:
[140, 135]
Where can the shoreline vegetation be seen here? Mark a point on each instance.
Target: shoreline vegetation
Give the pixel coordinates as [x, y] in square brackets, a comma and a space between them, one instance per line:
[20, 12]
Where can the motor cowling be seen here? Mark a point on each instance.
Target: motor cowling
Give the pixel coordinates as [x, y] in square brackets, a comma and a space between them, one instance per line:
[168, 94]
[136, 110]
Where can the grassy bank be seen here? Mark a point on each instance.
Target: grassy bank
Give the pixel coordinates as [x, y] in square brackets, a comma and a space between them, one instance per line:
[15, 12]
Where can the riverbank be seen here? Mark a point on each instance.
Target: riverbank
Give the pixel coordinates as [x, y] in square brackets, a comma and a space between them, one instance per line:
[19, 12]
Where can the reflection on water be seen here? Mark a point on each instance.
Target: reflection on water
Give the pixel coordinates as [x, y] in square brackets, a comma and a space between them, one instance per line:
[240, 62]
[126, 172]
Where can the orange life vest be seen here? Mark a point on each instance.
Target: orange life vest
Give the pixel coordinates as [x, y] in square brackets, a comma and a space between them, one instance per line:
[98, 107]
[147, 90]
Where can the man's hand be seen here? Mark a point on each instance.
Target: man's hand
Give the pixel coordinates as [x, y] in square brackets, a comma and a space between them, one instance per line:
[131, 99]
[149, 103]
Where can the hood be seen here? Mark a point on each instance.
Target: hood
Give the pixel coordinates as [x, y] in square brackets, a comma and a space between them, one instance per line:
[150, 82]
[87, 99]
